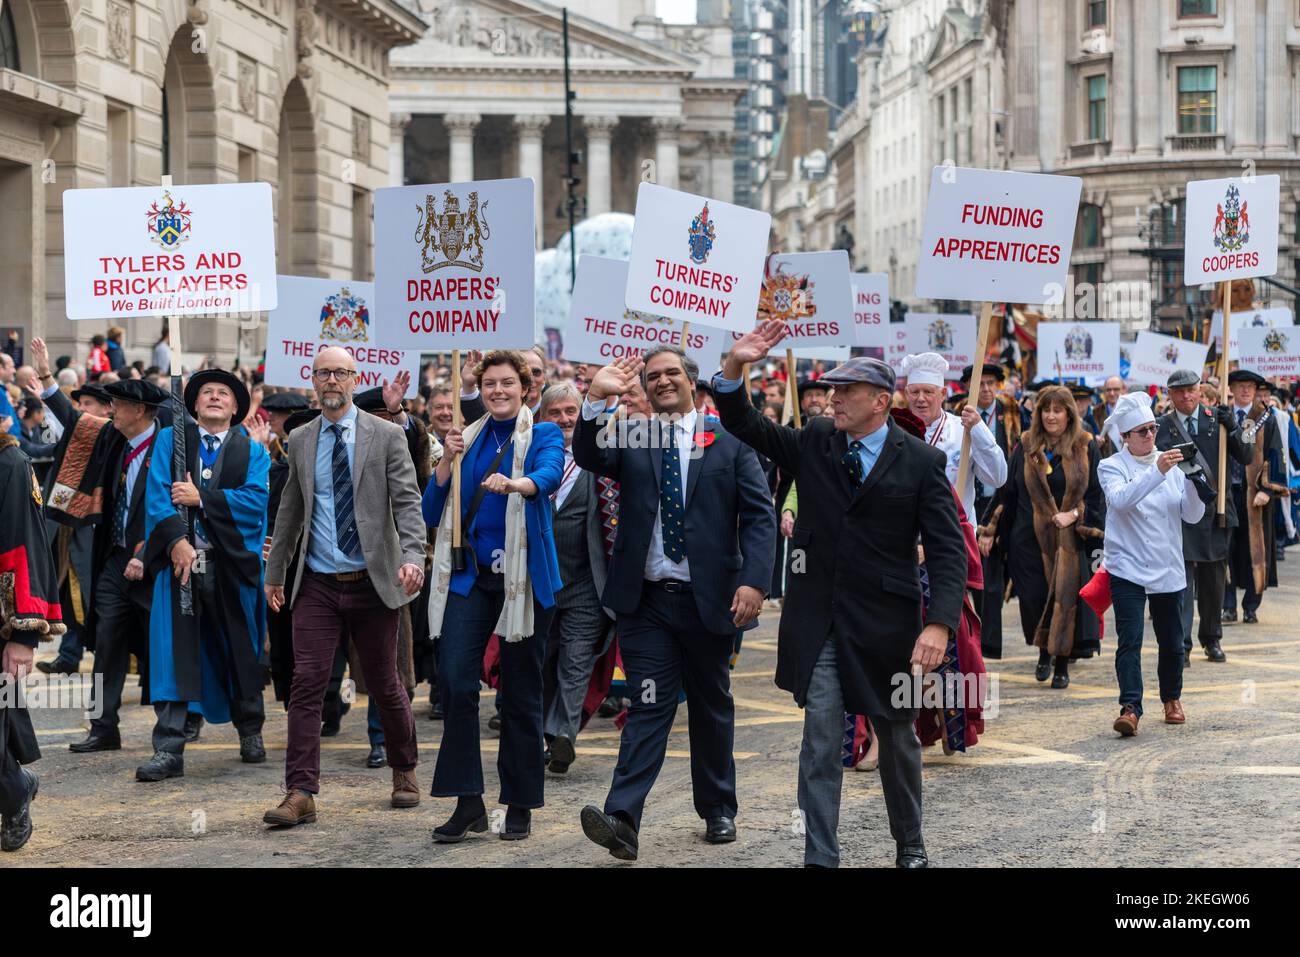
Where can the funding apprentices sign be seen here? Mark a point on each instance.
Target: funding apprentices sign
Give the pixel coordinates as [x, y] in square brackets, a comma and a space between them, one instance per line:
[1231, 229]
[454, 265]
[168, 251]
[697, 260]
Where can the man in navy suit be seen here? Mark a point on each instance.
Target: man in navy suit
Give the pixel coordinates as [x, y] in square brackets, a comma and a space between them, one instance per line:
[691, 564]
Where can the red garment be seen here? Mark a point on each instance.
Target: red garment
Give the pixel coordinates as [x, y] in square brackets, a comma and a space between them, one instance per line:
[98, 361]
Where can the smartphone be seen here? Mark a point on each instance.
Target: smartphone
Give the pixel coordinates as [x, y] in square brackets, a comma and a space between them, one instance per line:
[1187, 448]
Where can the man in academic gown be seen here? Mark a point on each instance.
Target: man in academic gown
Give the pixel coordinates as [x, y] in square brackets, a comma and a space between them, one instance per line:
[209, 657]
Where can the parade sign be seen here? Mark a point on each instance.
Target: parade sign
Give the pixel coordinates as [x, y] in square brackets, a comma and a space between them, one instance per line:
[871, 311]
[950, 335]
[813, 295]
[1231, 229]
[454, 265]
[1254, 319]
[601, 328]
[1156, 357]
[1071, 350]
[315, 313]
[696, 260]
[1270, 352]
[997, 236]
[168, 251]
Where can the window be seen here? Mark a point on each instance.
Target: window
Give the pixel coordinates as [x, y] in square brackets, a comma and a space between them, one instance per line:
[1097, 107]
[1198, 8]
[1088, 232]
[1197, 99]
[8, 40]
[1096, 14]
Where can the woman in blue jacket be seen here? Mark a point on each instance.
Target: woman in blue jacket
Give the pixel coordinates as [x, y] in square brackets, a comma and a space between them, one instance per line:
[507, 586]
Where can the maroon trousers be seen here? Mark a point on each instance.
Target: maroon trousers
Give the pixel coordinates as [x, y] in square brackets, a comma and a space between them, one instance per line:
[326, 612]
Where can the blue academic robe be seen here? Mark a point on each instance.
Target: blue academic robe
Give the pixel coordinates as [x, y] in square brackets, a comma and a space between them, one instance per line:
[210, 659]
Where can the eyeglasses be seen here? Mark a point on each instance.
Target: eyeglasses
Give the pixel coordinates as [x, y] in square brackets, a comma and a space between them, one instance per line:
[338, 375]
[1144, 430]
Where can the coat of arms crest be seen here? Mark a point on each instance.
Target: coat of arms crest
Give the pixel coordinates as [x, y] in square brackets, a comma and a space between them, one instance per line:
[1170, 353]
[1231, 222]
[1078, 344]
[702, 235]
[452, 232]
[636, 316]
[785, 296]
[169, 225]
[1275, 341]
[344, 317]
[940, 335]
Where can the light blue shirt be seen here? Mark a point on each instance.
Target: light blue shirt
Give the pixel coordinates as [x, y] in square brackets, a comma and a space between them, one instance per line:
[872, 443]
[323, 554]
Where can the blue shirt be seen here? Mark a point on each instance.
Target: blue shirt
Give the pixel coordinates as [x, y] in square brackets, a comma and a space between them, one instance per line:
[323, 554]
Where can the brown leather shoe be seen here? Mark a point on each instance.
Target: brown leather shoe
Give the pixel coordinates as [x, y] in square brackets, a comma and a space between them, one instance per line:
[406, 793]
[296, 808]
[1127, 722]
[1174, 712]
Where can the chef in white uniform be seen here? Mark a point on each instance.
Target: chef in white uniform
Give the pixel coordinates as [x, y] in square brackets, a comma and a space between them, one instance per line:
[943, 430]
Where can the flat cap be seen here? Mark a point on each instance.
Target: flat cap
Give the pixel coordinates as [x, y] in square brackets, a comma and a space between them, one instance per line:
[137, 390]
[1246, 375]
[862, 369]
[1182, 378]
[285, 402]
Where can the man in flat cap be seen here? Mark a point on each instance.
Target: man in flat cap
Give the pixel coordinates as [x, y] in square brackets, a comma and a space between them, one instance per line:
[207, 653]
[1205, 544]
[851, 634]
[1252, 555]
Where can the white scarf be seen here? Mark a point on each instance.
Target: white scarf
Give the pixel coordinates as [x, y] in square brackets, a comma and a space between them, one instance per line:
[1148, 459]
[516, 621]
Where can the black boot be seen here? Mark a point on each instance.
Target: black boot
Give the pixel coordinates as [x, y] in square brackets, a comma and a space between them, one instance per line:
[470, 815]
[1214, 651]
[251, 749]
[16, 828]
[518, 824]
[1044, 667]
[161, 766]
[193, 727]
[1061, 676]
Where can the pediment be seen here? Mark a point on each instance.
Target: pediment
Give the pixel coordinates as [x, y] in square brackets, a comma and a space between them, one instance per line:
[955, 30]
[524, 33]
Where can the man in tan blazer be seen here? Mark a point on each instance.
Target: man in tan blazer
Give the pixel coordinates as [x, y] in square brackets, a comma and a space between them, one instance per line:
[350, 512]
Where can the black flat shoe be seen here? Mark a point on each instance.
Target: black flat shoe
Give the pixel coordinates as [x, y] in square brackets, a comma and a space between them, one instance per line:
[519, 824]
[610, 832]
[911, 856]
[16, 829]
[720, 830]
[1060, 681]
[97, 742]
[376, 758]
[161, 766]
[470, 816]
[1249, 618]
[57, 667]
[1043, 670]
[1187, 659]
[1214, 651]
[562, 755]
[1228, 617]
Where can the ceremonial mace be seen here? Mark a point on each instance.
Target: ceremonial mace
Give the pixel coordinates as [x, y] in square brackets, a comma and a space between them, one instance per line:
[1221, 517]
[179, 467]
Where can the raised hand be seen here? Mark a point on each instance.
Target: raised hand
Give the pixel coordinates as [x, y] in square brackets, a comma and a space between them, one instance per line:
[469, 381]
[395, 391]
[753, 346]
[617, 378]
[258, 430]
[40, 357]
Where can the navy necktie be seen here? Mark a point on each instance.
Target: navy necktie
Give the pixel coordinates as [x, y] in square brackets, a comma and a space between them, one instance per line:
[1191, 424]
[1238, 472]
[345, 522]
[671, 514]
[853, 462]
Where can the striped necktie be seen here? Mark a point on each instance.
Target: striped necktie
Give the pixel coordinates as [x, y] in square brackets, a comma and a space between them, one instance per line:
[345, 521]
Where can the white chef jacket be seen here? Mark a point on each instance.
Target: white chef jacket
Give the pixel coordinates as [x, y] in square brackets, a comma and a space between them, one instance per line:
[987, 461]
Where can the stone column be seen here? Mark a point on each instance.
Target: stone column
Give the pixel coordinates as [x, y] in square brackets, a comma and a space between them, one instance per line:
[667, 130]
[397, 124]
[530, 128]
[1120, 90]
[1277, 87]
[460, 130]
[600, 130]
[722, 166]
[1146, 78]
[1245, 131]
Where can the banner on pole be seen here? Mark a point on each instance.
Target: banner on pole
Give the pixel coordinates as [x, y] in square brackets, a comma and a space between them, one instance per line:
[1251, 319]
[871, 312]
[315, 313]
[1072, 350]
[1270, 352]
[454, 265]
[1155, 357]
[1230, 229]
[952, 335]
[168, 251]
[695, 259]
[997, 236]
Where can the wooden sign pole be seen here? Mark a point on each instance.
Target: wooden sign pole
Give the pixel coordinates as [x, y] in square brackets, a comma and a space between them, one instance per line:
[976, 373]
[792, 384]
[456, 422]
[1221, 515]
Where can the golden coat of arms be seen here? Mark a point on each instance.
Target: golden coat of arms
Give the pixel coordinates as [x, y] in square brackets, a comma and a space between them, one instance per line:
[451, 232]
[786, 297]
[1275, 341]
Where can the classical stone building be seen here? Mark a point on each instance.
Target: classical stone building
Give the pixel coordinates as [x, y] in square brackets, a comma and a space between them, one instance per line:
[481, 96]
[120, 92]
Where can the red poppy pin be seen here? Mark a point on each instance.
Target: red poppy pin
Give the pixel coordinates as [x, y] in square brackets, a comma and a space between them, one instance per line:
[704, 439]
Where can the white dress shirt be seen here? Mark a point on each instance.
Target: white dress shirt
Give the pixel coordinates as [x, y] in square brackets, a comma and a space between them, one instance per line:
[657, 565]
[570, 475]
[988, 464]
[1145, 512]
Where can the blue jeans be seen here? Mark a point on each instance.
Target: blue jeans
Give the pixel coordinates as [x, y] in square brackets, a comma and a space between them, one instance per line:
[71, 648]
[1130, 601]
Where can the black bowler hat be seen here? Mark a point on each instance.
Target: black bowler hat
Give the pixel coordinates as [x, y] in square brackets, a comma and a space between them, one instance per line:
[371, 400]
[285, 402]
[222, 377]
[990, 368]
[301, 417]
[95, 391]
[806, 384]
[1246, 375]
[137, 390]
[1083, 392]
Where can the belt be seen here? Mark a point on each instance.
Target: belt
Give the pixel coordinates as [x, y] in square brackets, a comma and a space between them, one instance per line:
[356, 576]
[669, 584]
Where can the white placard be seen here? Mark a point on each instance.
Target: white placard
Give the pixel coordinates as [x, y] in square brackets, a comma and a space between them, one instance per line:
[601, 328]
[1070, 350]
[812, 293]
[1248, 319]
[1270, 352]
[315, 313]
[952, 335]
[1230, 229]
[168, 251]
[1155, 357]
[696, 260]
[871, 312]
[454, 265]
[997, 236]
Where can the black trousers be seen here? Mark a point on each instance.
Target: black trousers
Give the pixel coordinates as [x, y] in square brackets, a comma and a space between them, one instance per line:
[1205, 583]
[17, 747]
[119, 618]
[1239, 557]
[666, 648]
